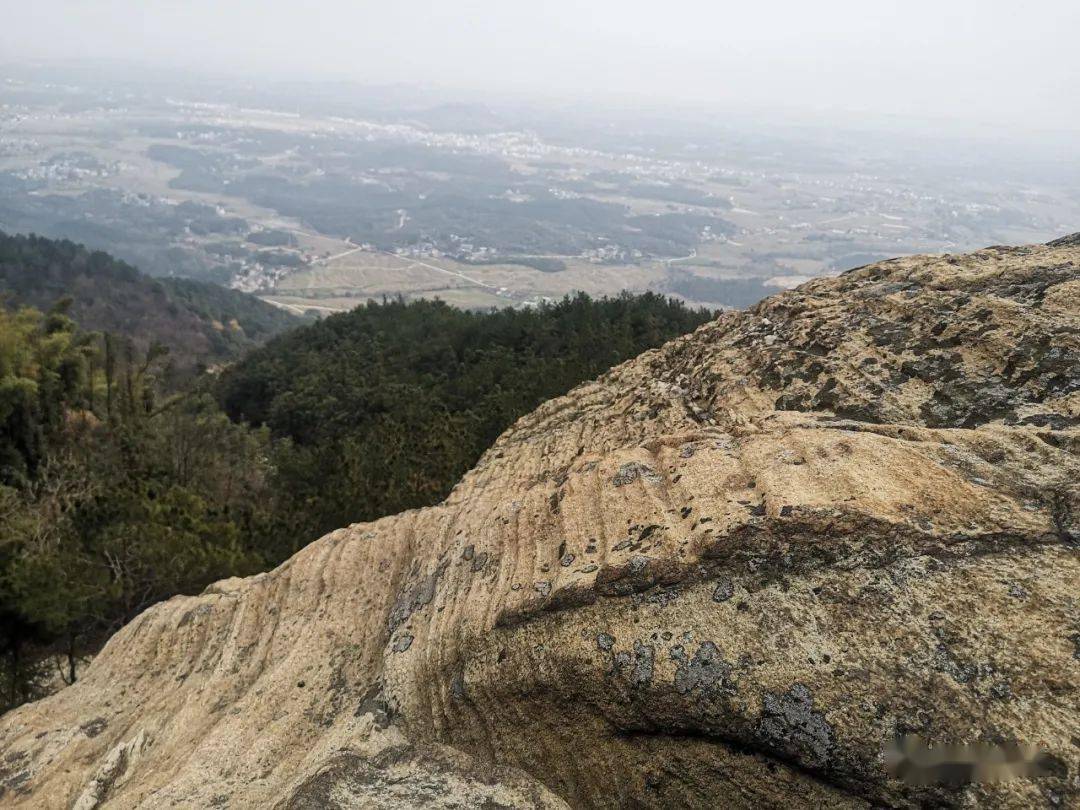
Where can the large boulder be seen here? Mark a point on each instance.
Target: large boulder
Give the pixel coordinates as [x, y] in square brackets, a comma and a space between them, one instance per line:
[727, 573]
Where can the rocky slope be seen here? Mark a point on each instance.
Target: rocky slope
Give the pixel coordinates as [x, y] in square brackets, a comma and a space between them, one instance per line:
[721, 575]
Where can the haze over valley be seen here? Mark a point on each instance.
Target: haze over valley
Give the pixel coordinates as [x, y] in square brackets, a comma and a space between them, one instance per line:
[320, 195]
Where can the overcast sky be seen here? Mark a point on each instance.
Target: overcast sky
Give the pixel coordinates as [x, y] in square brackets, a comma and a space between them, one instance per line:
[995, 61]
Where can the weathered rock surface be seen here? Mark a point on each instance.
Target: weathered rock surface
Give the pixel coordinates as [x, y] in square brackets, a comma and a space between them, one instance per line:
[722, 575]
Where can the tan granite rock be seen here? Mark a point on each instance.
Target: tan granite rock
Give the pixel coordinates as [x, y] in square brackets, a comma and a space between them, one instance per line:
[723, 575]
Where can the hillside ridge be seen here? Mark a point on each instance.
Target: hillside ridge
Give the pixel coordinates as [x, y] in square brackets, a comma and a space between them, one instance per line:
[200, 322]
[725, 571]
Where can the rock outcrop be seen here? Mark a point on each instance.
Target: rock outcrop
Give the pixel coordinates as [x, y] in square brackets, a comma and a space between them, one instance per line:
[723, 575]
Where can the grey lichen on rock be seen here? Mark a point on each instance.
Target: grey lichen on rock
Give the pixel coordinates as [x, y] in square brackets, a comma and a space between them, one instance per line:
[706, 671]
[790, 724]
[631, 471]
[723, 574]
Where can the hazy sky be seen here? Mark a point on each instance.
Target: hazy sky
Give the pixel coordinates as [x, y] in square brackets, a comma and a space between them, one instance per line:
[998, 61]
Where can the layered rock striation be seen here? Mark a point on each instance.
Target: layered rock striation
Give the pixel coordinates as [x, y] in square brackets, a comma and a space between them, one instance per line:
[724, 574]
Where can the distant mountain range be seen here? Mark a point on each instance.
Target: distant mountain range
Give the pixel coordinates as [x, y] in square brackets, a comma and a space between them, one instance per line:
[201, 323]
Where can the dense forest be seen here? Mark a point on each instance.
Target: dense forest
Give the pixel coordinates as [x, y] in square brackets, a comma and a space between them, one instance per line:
[385, 407]
[202, 323]
[117, 489]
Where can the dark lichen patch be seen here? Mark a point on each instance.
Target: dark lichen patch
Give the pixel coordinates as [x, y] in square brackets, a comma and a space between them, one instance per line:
[706, 672]
[1052, 421]
[631, 471]
[457, 687]
[375, 703]
[402, 643]
[724, 590]
[644, 660]
[418, 596]
[1017, 591]
[555, 500]
[92, 728]
[648, 531]
[480, 561]
[960, 671]
[1033, 290]
[791, 727]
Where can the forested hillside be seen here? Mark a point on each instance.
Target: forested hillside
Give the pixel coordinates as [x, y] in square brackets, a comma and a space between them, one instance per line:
[201, 323]
[118, 490]
[388, 405]
[112, 494]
